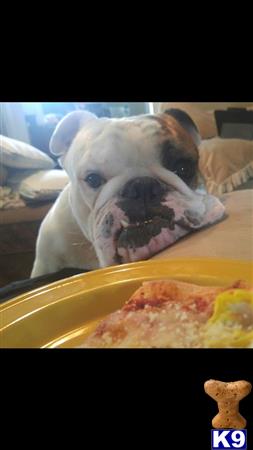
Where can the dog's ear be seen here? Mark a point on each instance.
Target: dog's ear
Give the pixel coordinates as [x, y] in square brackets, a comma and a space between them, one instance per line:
[186, 122]
[67, 129]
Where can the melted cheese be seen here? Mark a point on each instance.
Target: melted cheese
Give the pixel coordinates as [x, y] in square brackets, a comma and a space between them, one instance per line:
[231, 324]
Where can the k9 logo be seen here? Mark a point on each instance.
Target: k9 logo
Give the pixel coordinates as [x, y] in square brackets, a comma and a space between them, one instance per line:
[233, 439]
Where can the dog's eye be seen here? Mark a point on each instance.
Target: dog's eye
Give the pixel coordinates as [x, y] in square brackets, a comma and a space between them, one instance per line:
[185, 169]
[94, 180]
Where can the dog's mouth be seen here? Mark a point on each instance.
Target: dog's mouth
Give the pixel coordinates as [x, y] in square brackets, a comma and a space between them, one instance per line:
[141, 240]
[136, 240]
[136, 234]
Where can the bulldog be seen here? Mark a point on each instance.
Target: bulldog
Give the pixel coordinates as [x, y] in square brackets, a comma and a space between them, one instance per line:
[133, 190]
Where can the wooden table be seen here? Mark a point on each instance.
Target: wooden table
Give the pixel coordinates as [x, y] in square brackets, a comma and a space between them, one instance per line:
[18, 233]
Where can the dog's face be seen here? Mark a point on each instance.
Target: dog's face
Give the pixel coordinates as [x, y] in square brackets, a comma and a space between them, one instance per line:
[133, 181]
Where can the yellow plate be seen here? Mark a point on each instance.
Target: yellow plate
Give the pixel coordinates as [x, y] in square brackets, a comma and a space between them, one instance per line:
[62, 314]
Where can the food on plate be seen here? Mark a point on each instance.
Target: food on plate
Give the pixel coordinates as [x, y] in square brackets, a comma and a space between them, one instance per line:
[231, 324]
[176, 314]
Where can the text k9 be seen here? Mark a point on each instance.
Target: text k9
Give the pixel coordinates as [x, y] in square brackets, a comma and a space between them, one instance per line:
[229, 439]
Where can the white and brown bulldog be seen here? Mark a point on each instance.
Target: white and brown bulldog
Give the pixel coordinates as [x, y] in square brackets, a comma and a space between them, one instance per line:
[133, 190]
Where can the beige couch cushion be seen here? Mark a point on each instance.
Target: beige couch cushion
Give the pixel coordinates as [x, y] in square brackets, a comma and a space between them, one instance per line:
[231, 238]
[225, 163]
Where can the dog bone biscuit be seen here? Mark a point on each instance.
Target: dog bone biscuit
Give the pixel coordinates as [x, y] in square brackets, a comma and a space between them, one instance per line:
[228, 396]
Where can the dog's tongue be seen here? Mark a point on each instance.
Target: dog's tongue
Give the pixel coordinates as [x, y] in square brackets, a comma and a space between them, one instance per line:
[189, 213]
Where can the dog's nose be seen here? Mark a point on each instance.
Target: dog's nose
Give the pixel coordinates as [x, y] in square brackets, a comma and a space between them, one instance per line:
[142, 188]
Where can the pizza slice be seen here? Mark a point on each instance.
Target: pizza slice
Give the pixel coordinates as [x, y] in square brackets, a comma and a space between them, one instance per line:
[175, 314]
